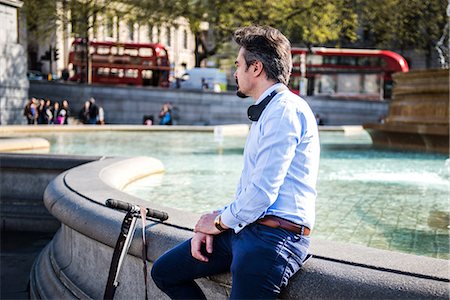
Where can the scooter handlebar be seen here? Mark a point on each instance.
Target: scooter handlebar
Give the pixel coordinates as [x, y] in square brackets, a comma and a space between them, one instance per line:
[152, 213]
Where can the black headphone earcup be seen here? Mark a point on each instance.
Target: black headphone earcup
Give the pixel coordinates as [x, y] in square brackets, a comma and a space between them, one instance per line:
[253, 113]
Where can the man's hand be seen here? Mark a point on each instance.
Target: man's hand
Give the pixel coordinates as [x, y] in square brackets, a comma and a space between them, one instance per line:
[196, 244]
[206, 224]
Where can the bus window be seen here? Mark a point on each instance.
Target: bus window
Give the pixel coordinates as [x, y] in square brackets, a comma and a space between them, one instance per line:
[147, 74]
[146, 52]
[348, 83]
[103, 50]
[103, 71]
[114, 50]
[371, 84]
[116, 72]
[314, 60]
[131, 52]
[326, 84]
[131, 73]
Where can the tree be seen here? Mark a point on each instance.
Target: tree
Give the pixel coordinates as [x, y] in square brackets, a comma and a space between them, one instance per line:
[412, 24]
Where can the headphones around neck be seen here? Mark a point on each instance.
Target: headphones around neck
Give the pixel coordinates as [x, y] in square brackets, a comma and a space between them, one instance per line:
[255, 111]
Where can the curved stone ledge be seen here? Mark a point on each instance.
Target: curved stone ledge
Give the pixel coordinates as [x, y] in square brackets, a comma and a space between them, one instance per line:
[76, 262]
[22, 144]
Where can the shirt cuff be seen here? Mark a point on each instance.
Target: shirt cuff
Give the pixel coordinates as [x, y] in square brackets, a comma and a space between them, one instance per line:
[229, 220]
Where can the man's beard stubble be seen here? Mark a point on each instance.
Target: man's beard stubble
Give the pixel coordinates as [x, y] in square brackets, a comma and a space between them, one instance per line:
[238, 92]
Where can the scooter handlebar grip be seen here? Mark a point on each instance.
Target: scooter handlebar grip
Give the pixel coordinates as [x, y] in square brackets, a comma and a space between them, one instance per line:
[160, 215]
[119, 204]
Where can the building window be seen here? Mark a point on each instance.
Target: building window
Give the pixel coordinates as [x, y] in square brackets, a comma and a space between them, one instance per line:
[185, 39]
[158, 34]
[150, 32]
[109, 26]
[169, 36]
[131, 30]
[117, 29]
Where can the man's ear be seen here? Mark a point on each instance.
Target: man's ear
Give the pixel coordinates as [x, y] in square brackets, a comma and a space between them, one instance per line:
[257, 68]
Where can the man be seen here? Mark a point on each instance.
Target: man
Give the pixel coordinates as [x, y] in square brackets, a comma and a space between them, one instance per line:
[263, 235]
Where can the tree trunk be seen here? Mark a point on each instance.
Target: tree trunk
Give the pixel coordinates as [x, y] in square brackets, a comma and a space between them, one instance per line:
[199, 56]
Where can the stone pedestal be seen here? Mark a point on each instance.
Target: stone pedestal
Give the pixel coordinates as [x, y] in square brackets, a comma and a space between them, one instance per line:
[13, 66]
[418, 116]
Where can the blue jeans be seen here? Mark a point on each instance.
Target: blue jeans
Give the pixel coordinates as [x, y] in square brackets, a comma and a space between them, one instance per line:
[261, 260]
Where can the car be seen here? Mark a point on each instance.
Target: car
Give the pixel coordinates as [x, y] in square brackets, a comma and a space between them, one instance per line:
[211, 79]
[34, 75]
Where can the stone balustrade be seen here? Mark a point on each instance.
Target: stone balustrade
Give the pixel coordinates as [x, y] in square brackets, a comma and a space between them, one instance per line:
[75, 263]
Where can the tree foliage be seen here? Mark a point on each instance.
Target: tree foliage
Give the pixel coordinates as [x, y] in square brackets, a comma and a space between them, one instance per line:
[41, 17]
[391, 24]
[307, 22]
[398, 24]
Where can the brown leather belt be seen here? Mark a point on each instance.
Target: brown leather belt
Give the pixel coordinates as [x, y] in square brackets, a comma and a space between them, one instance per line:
[275, 222]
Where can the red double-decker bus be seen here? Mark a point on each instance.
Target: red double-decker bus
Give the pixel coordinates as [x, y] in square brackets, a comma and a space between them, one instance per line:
[345, 73]
[120, 63]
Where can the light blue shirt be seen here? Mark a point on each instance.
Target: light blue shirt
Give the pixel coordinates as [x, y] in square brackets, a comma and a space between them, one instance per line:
[281, 162]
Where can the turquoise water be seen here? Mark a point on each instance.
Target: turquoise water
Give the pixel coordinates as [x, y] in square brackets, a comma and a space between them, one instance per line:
[383, 199]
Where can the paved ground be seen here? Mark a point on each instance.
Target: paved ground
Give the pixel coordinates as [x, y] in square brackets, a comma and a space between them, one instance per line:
[18, 251]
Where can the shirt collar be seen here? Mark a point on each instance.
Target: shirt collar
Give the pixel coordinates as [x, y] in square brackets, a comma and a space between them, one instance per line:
[268, 91]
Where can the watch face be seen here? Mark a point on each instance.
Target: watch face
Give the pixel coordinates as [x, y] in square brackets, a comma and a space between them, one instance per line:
[217, 223]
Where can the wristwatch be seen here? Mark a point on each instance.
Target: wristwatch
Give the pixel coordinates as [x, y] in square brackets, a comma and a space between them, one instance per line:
[217, 224]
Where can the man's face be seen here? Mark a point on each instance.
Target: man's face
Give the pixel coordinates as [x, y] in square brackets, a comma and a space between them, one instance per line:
[241, 75]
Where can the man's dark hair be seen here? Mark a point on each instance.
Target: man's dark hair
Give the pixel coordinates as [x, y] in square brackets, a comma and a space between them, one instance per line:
[270, 47]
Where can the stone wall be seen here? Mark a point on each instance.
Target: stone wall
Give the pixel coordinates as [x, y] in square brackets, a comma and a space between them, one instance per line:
[128, 105]
[22, 185]
[13, 83]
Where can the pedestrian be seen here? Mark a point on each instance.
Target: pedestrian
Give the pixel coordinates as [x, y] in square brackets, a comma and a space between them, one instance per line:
[42, 116]
[262, 236]
[63, 113]
[83, 115]
[48, 111]
[66, 108]
[93, 112]
[30, 111]
[101, 116]
[56, 119]
[165, 115]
